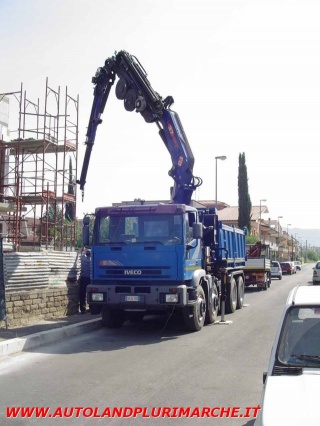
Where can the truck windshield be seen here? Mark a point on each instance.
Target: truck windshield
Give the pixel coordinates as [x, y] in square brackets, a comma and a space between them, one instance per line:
[299, 342]
[138, 229]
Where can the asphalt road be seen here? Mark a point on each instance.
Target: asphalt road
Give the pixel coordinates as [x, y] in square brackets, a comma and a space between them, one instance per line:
[152, 364]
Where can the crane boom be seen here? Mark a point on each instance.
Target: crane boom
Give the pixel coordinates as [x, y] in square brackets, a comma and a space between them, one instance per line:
[134, 88]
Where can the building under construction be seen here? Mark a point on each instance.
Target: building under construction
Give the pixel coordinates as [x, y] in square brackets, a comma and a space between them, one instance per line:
[38, 169]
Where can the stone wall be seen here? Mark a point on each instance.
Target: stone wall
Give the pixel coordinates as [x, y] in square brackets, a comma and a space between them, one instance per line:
[28, 306]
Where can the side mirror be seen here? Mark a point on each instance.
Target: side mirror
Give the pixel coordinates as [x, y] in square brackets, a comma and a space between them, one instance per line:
[197, 231]
[85, 231]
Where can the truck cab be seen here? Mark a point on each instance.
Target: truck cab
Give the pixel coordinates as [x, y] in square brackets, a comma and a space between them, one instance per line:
[144, 258]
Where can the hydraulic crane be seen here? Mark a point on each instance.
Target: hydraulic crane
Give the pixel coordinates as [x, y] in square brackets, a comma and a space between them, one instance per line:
[134, 88]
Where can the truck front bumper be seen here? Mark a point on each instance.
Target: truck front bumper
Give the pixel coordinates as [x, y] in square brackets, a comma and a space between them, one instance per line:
[129, 297]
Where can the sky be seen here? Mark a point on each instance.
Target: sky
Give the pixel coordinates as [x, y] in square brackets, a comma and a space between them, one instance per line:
[244, 74]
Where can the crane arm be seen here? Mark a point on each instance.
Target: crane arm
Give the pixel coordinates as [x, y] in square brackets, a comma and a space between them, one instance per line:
[103, 81]
[134, 88]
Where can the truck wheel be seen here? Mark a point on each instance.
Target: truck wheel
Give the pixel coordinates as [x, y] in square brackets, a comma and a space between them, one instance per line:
[112, 318]
[194, 317]
[231, 298]
[213, 307]
[240, 293]
[265, 287]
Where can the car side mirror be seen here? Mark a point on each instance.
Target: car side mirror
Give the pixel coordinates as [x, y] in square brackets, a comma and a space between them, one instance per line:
[264, 377]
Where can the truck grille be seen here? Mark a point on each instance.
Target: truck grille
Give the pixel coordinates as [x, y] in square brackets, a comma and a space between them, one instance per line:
[134, 273]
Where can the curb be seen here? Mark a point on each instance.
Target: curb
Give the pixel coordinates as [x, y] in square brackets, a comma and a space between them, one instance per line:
[20, 344]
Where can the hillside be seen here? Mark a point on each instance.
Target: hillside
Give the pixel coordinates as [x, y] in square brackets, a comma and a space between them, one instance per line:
[311, 237]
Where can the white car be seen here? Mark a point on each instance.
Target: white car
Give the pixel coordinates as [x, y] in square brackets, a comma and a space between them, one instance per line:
[276, 271]
[290, 395]
[298, 265]
[316, 274]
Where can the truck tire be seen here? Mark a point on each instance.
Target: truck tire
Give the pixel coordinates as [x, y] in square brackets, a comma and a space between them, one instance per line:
[194, 317]
[240, 292]
[213, 307]
[112, 318]
[231, 297]
[266, 281]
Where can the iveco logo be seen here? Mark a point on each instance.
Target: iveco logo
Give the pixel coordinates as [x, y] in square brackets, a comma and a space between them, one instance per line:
[132, 272]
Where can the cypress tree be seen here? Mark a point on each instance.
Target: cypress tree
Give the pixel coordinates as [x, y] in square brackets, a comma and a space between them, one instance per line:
[244, 218]
[69, 212]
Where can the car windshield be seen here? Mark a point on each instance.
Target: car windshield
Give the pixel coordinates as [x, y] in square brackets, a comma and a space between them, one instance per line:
[299, 342]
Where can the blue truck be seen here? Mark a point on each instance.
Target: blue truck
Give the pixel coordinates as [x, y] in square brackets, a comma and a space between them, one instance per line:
[158, 258]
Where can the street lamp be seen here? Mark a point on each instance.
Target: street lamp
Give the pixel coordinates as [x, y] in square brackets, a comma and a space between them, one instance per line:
[220, 157]
[260, 219]
[279, 217]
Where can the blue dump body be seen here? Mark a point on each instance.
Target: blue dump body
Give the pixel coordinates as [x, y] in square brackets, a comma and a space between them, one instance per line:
[231, 245]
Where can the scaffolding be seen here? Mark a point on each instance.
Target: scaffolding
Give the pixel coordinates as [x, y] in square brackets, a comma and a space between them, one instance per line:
[38, 169]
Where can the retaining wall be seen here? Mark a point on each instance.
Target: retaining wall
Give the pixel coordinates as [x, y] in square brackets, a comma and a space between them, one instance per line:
[40, 285]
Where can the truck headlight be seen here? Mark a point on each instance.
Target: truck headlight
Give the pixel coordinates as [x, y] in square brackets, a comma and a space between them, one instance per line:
[97, 297]
[172, 298]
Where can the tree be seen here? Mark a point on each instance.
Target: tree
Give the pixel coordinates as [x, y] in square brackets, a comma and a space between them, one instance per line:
[251, 239]
[69, 212]
[312, 255]
[244, 218]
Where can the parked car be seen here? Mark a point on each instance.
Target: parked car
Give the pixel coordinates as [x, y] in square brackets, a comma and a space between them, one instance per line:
[316, 273]
[287, 268]
[290, 394]
[298, 265]
[294, 268]
[276, 271]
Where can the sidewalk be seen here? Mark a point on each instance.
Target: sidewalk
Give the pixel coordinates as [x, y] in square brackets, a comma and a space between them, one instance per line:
[18, 339]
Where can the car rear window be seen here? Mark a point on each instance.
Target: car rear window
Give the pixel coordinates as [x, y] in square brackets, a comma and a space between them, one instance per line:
[275, 264]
